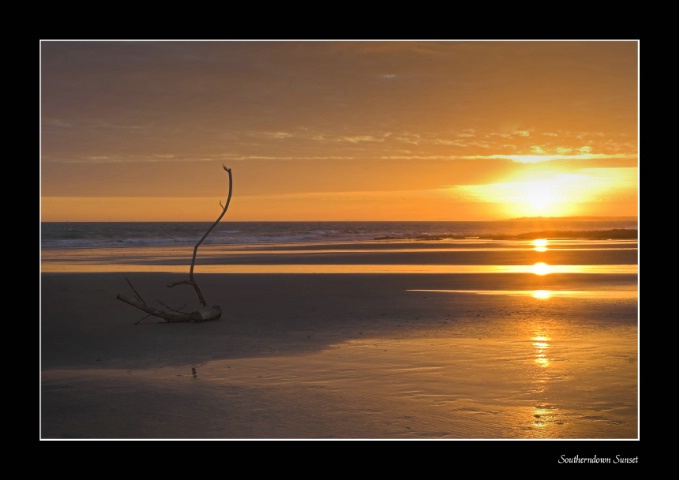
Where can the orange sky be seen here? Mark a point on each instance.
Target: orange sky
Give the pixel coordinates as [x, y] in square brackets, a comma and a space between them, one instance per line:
[317, 130]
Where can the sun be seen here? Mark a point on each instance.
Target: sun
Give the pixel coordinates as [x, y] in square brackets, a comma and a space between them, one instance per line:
[528, 196]
[553, 194]
[544, 191]
[540, 198]
[553, 191]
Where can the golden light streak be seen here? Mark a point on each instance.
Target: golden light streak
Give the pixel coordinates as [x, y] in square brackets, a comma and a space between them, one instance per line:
[540, 244]
[541, 268]
[541, 344]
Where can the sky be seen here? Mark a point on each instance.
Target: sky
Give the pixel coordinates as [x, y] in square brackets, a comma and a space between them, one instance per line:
[338, 130]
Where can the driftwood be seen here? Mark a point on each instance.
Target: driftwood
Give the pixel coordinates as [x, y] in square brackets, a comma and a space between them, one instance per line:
[205, 312]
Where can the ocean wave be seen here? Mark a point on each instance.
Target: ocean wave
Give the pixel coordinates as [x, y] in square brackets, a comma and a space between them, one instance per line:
[139, 234]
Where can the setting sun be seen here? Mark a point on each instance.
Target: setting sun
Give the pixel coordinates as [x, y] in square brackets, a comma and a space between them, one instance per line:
[554, 192]
[541, 198]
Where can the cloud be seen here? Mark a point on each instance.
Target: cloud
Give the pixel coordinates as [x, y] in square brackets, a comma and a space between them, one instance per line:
[585, 155]
[274, 135]
[537, 154]
[536, 158]
[56, 122]
[135, 159]
[362, 138]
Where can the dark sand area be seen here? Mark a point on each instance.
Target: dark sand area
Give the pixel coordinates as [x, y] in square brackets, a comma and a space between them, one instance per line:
[341, 356]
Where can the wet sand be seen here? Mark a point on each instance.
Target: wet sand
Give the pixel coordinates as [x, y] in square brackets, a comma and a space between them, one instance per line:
[323, 356]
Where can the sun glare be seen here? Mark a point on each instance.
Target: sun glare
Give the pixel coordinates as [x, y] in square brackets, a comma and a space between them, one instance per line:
[545, 191]
[540, 197]
[554, 196]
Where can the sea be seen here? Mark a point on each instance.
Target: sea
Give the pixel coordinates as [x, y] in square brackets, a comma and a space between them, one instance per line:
[65, 235]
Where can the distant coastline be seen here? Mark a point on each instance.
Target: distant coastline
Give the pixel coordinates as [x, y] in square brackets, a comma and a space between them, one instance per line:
[583, 218]
[613, 234]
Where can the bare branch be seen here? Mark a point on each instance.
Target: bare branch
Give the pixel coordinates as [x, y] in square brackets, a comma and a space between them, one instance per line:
[178, 310]
[135, 291]
[195, 249]
[142, 318]
[206, 312]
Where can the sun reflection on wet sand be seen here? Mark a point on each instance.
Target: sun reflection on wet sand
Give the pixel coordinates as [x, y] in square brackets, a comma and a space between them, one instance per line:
[541, 268]
[541, 415]
[541, 344]
[540, 244]
[533, 379]
[630, 293]
[544, 415]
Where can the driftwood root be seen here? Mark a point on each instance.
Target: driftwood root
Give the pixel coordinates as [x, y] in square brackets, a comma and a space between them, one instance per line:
[204, 314]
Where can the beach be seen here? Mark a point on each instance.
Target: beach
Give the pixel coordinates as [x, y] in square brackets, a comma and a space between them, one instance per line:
[378, 340]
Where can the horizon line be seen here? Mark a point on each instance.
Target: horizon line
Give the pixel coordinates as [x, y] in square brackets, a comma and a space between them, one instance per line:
[566, 217]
